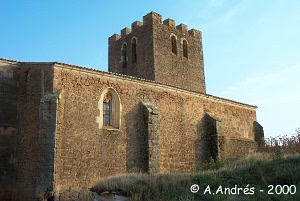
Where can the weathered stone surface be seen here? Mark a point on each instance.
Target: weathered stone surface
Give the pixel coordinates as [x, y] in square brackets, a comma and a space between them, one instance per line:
[7, 161]
[81, 154]
[151, 124]
[259, 133]
[9, 82]
[213, 139]
[154, 59]
[181, 118]
[35, 80]
[46, 142]
[56, 147]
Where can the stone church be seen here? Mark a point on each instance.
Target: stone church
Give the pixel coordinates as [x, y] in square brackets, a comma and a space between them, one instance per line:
[64, 127]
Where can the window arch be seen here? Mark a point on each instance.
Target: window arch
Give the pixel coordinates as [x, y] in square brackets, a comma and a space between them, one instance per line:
[173, 43]
[133, 46]
[110, 109]
[185, 48]
[124, 55]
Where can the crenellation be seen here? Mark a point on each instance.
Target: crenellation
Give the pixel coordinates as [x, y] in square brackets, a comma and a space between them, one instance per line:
[169, 22]
[152, 18]
[153, 58]
[114, 38]
[195, 33]
[125, 31]
[182, 27]
[136, 24]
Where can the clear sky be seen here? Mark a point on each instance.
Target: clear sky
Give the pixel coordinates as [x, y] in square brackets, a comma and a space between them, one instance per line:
[251, 47]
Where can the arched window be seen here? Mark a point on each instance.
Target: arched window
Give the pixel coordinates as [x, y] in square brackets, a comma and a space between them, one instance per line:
[174, 46]
[185, 48]
[107, 101]
[133, 45]
[124, 55]
[110, 109]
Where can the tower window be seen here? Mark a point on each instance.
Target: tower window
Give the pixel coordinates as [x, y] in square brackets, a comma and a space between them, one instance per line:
[133, 44]
[124, 55]
[174, 46]
[185, 48]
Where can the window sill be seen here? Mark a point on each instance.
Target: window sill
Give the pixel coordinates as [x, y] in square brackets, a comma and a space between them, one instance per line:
[110, 128]
[174, 56]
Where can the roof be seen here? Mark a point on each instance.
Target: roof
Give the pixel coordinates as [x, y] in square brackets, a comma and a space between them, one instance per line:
[117, 75]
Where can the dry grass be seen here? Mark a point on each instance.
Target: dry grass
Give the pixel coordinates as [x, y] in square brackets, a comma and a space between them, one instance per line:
[277, 163]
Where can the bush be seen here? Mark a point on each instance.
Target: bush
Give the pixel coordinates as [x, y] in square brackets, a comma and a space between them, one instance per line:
[282, 145]
[213, 164]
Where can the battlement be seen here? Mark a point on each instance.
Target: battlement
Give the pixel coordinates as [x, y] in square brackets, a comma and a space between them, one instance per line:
[153, 48]
[136, 24]
[194, 32]
[125, 31]
[114, 37]
[169, 22]
[182, 27]
[153, 18]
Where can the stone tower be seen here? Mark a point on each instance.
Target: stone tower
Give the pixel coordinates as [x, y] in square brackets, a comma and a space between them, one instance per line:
[159, 51]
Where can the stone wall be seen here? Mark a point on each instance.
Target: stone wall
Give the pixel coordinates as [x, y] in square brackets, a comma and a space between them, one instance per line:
[144, 65]
[62, 151]
[9, 82]
[151, 132]
[87, 153]
[154, 57]
[7, 161]
[35, 80]
[48, 136]
[176, 69]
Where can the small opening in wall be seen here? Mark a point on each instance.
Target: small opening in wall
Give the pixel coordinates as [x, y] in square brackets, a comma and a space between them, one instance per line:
[27, 74]
[134, 56]
[124, 55]
[174, 46]
[185, 48]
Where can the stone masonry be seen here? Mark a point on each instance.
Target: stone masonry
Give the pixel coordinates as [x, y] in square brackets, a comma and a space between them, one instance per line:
[64, 127]
[153, 41]
[9, 82]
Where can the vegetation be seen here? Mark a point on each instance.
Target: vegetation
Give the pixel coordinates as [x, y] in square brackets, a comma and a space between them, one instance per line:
[284, 144]
[275, 169]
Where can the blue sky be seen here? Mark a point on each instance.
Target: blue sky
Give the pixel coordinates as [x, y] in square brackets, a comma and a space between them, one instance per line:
[251, 47]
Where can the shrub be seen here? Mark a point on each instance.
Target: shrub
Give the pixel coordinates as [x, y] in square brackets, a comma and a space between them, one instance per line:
[213, 164]
[282, 145]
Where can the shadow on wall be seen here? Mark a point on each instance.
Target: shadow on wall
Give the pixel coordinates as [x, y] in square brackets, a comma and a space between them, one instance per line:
[258, 133]
[208, 144]
[137, 153]
[8, 137]
[199, 146]
[211, 144]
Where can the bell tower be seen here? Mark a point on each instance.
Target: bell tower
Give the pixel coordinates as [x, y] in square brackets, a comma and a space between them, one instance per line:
[159, 51]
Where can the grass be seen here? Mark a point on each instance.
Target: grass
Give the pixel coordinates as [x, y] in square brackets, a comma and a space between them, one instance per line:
[276, 164]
